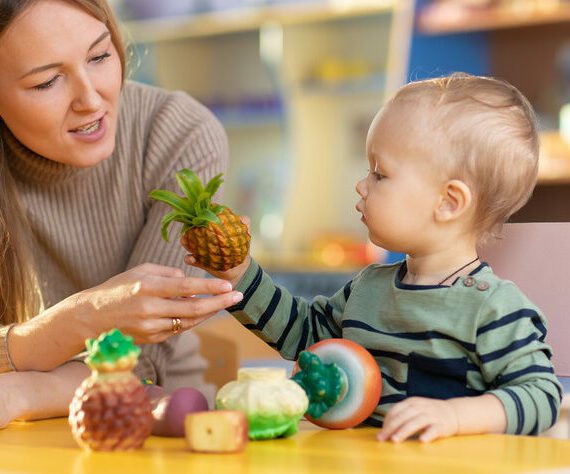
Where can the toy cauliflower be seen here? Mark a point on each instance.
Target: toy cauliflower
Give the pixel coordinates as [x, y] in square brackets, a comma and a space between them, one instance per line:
[272, 403]
[111, 409]
[212, 233]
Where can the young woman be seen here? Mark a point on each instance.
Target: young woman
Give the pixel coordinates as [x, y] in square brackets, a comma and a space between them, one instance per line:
[80, 247]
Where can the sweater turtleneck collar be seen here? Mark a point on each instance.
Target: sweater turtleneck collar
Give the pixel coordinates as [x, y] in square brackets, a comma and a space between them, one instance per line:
[28, 166]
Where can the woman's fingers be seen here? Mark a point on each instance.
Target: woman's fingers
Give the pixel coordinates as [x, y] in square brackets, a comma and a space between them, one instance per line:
[166, 327]
[158, 270]
[198, 307]
[163, 287]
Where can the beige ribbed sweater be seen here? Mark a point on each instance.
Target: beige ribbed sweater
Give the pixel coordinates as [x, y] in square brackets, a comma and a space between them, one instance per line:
[89, 224]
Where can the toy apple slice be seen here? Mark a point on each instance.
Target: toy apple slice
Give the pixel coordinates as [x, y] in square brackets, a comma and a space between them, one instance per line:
[342, 380]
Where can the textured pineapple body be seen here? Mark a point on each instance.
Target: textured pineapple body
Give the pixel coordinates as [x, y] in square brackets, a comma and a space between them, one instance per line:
[111, 412]
[219, 246]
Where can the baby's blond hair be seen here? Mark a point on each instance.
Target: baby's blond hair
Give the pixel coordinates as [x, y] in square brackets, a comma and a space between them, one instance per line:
[485, 134]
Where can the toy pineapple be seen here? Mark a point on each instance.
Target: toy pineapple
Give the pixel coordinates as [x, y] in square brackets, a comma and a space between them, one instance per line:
[111, 409]
[213, 234]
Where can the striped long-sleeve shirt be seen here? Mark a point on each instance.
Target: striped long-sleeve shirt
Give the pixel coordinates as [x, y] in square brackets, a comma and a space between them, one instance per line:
[479, 335]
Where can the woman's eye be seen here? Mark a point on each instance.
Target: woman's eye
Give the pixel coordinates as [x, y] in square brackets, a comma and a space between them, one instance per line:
[100, 58]
[47, 84]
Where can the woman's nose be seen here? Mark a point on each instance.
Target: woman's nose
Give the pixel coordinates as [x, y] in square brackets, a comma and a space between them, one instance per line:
[86, 97]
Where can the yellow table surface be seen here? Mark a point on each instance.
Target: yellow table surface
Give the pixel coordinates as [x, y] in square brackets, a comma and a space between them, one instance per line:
[47, 446]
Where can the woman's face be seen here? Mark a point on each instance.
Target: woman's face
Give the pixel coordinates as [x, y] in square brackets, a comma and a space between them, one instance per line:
[60, 79]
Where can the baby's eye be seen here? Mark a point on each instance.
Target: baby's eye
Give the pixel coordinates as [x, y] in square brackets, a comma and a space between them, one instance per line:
[375, 174]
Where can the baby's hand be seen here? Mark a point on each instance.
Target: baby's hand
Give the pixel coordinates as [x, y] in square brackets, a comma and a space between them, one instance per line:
[432, 418]
[233, 275]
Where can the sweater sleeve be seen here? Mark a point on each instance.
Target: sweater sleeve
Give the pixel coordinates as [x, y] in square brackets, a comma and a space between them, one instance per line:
[288, 324]
[515, 361]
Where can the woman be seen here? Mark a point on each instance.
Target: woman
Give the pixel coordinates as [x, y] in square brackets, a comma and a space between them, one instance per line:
[80, 150]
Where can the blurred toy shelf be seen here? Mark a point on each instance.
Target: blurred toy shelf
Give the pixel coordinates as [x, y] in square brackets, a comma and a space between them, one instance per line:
[436, 20]
[249, 19]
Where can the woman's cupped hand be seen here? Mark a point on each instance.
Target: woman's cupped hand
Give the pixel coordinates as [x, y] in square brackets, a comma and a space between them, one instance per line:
[143, 301]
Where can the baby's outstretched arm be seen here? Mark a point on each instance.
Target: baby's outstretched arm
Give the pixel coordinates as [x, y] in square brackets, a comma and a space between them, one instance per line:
[433, 419]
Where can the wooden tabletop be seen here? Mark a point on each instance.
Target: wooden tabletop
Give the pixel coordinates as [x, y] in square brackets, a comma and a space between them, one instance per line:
[47, 446]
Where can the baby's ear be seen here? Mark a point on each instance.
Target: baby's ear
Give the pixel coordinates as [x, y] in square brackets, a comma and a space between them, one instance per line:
[456, 199]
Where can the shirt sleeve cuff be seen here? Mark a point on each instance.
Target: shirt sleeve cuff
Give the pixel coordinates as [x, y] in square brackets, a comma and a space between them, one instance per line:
[6, 364]
[512, 411]
[247, 285]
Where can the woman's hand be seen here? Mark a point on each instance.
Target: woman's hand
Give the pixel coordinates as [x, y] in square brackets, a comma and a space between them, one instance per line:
[142, 302]
[430, 418]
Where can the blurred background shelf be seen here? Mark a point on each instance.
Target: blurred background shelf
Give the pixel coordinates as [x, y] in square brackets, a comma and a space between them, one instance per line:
[443, 21]
[250, 19]
[296, 87]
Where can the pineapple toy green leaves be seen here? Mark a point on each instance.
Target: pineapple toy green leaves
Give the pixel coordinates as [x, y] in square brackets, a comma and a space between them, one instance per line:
[212, 233]
[111, 351]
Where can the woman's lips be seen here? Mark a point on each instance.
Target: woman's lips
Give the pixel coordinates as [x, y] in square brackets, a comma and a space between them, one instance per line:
[92, 132]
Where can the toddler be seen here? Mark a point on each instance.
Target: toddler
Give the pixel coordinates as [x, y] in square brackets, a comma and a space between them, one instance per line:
[461, 351]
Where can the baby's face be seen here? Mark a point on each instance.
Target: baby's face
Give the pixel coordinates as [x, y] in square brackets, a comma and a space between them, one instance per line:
[402, 188]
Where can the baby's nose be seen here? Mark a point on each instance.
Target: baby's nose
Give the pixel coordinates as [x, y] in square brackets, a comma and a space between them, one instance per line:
[361, 188]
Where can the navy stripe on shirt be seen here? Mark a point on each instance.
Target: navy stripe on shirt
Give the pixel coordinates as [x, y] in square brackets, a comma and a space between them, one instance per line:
[512, 317]
[324, 322]
[390, 355]
[395, 398]
[402, 386]
[519, 407]
[270, 310]
[303, 339]
[510, 348]
[502, 379]
[248, 293]
[347, 290]
[314, 318]
[329, 314]
[372, 422]
[293, 314]
[413, 336]
[553, 409]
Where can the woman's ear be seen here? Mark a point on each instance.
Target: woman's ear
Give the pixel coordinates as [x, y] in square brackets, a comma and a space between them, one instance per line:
[456, 199]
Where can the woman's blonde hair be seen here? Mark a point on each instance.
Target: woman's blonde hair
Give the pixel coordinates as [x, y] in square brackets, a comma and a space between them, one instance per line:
[20, 296]
[485, 134]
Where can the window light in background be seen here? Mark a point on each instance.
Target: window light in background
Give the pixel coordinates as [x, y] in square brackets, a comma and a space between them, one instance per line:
[565, 122]
[271, 227]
